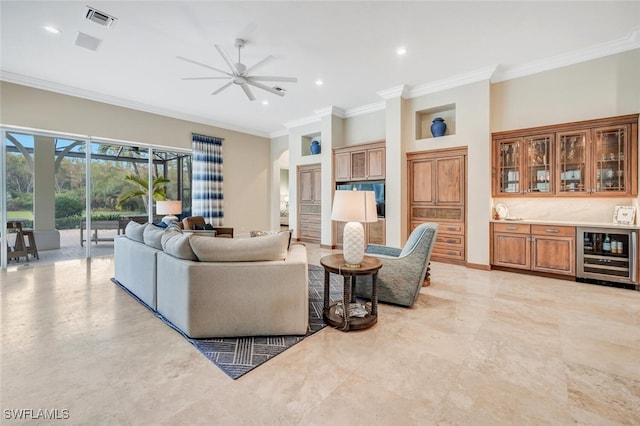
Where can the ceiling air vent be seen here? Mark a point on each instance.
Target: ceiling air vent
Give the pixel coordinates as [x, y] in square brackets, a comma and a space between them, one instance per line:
[100, 18]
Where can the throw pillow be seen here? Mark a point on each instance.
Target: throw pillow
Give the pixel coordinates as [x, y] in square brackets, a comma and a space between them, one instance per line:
[269, 247]
[134, 231]
[152, 236]
[177, 244]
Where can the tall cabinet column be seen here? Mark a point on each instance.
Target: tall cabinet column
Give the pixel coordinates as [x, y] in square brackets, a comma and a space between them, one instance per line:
[396, 200]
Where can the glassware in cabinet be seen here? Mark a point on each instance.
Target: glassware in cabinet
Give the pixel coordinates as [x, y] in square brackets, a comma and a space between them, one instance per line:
[572, 161]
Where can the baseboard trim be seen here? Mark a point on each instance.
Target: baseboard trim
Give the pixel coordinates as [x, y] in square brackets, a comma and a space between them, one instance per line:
[478, 266]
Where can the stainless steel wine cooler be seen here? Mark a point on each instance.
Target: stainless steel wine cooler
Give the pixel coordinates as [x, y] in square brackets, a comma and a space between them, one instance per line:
[607, 256]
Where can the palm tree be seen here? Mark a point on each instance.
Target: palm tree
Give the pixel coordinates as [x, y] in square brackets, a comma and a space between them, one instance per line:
[142, 190]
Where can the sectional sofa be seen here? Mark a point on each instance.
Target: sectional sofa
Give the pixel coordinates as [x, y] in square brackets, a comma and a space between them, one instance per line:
[216, 287]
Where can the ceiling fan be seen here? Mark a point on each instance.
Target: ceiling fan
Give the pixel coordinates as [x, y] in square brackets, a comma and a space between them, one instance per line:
[239, 74]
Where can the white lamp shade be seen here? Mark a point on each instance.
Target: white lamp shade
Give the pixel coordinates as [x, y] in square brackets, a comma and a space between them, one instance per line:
[168, 207]
[354, 206]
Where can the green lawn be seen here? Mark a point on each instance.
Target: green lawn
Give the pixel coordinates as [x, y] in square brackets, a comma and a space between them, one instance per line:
[20, 214]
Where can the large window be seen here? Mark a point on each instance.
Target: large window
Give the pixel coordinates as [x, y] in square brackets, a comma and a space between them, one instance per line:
[46, 179]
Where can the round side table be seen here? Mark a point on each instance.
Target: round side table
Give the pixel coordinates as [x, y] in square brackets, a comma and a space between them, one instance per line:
[331, 312]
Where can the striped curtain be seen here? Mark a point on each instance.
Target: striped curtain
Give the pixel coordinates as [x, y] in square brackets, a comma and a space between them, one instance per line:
[206, 183]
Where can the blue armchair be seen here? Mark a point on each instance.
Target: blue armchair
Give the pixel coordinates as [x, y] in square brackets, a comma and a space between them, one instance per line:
[403, 270]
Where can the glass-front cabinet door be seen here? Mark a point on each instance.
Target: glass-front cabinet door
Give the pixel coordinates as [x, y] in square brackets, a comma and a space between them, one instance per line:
[572, 161]
[611, 159]
[509, 165]
[539, 179]
[593, 158]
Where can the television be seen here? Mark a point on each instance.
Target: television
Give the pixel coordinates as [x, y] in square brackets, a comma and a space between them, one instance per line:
[376, 186]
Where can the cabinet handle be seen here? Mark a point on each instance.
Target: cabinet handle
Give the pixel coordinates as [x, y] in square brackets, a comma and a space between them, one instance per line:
[452, 228]
[512, 228]
[552, 231]
[452, 253]
[451, 241]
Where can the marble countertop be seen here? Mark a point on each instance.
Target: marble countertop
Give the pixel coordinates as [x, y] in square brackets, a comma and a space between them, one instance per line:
[566, 223]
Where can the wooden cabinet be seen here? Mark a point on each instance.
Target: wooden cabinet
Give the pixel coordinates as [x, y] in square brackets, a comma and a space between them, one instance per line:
[512, 245]
[541, 248]
[437, 193]
[309, 203]
[374, 232]
[587, 158]
[362, 162]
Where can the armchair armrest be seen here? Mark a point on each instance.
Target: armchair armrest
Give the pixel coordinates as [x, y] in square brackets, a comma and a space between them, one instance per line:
[383, 250]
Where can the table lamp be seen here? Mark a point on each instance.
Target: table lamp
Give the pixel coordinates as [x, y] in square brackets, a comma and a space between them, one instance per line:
[354, 207]
[170, 209]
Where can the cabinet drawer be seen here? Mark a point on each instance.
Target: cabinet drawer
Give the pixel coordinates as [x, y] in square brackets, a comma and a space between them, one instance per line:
[513, 228]
[451, 228]
[450, 240]
[447, 252]
[552, 230]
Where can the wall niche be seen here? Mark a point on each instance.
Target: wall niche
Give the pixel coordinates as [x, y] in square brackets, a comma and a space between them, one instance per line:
[425, 117]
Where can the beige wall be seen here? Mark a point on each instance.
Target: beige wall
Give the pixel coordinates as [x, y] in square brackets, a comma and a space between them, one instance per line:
[364, 128]
[247, 170]
[604, 87]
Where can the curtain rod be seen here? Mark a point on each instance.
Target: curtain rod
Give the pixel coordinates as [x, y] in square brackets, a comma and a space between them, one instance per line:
[200, 134]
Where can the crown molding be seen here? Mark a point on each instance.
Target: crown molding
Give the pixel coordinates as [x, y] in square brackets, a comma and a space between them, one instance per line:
[63, 89]
[452, 82]
[393, 92]
[302, 121]
[365, 109]
[330, 110]
[279, 133]
[623, 44]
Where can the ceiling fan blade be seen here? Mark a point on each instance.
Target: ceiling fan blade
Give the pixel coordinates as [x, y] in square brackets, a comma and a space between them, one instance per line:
[263, 87]
[248, 92]
[204, 78]
[203, 65]
[274, 78]
[228, 60]
[222, 88]
[257, 64]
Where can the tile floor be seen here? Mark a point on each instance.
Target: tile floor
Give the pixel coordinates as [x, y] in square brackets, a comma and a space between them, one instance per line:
[478, 348]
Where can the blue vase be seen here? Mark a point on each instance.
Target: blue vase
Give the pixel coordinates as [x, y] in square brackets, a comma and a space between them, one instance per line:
[438, 127]
[315, 147]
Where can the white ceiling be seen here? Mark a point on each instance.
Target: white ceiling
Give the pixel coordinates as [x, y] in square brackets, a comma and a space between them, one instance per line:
[349, 45]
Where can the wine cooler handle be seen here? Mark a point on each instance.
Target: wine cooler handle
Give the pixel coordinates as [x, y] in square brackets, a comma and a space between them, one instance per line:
[633, 256]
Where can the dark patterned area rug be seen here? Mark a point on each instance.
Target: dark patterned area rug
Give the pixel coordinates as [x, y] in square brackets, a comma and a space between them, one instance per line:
[237, 356]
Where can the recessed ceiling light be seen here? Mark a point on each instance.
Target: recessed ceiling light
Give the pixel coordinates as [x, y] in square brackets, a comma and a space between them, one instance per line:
[265, 102]
[401, 51]
[319, 82]
[52, 29]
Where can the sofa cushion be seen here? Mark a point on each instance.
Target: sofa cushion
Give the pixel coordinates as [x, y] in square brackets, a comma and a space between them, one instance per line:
[152, 236]
[269, 247]
[177, 244]
[263, 233]
[134, 231]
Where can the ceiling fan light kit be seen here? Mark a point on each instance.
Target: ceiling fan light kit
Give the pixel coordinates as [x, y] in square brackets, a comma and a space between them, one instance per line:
[240, 74]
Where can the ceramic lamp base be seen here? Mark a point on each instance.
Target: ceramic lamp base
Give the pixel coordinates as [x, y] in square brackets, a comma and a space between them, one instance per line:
[353, 244]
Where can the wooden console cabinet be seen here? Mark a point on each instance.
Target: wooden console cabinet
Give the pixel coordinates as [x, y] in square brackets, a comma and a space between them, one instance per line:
[586, 158]
[437, 193]
[361, 162]
[541, 248]
[309, 203]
